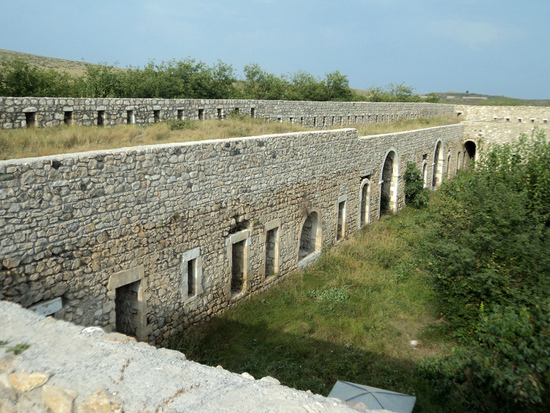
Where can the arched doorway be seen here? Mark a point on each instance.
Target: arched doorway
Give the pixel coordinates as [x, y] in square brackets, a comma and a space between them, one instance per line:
[437, 166]
[388, 184]
[364, 214]
[470, 152]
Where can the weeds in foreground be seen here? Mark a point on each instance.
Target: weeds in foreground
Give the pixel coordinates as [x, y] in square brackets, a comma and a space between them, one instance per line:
[17, 349]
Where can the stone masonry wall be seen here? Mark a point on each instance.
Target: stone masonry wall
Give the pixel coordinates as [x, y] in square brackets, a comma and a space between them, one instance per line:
[22, 112]
[502, 124]
[80, 227]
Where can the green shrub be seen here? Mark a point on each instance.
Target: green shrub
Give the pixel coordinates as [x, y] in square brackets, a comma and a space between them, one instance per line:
[415, 193]
[489, 237]
[507, 369]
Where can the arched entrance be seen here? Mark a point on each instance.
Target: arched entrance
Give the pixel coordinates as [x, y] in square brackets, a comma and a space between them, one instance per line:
[364, 214]
[388, 184]
[470, 152]
[437, 166]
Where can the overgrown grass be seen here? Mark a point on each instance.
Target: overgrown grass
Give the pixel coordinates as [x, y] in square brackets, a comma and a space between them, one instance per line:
[350, 317]
[32, 142]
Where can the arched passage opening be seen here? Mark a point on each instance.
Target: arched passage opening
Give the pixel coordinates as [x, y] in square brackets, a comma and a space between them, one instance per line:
[364, 217]
[310, 237]
[470, 152]
[425, 174]
[388, 184]
[437, 166]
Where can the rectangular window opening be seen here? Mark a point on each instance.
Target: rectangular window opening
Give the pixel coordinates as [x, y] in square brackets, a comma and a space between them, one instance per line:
[68, 117]
[30, 118]
[191, 277]
[237, 267]
[201, 114]
[220, 113]
[130, 117]
[252, 112]
[156, 115]
[100, 117]
[340, 231]
[271, 252]
[180, 114]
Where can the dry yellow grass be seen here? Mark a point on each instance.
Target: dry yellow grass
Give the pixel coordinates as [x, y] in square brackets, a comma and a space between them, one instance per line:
[25, 143]
[33, 142]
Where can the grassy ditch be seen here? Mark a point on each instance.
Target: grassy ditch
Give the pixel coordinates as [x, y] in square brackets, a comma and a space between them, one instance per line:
[351, 316]
[32, 142]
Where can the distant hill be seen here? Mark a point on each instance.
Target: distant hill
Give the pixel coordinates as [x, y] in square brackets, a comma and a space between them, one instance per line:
[488, 100]
[72, 67]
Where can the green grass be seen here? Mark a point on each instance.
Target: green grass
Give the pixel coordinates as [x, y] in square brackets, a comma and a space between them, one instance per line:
[350, 317]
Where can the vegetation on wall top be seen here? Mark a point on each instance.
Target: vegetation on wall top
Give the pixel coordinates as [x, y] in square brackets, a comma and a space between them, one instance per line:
[187, 79]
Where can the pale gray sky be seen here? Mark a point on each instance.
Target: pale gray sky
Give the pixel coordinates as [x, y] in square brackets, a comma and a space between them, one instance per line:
[484, 46]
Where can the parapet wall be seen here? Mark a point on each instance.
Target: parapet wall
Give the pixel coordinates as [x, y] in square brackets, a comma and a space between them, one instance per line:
[22, 112]
[67, 368]
[148, 240]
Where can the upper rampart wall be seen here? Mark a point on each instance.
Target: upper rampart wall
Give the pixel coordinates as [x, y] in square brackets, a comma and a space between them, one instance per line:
[502, 124]
[21, 112]
[147, 240]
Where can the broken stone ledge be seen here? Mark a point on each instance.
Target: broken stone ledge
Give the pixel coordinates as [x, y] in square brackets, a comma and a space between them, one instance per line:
[69, 368]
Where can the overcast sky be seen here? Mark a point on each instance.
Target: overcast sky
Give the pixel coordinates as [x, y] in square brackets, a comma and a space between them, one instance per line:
[497, 47]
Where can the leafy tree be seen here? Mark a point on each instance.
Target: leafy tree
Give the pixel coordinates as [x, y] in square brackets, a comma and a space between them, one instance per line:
[260, 84]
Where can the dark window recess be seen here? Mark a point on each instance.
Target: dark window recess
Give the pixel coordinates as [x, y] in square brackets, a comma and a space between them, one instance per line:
[252, 112]
[191, 272]
[129, 116]
[100, 117]
[180, 114]
[30, 118]
[156, 115]
[201, 114]
[67, 117]
[237, 270]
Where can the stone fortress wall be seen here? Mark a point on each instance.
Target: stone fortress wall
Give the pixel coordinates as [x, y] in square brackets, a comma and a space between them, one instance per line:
[147, 240]
[22, 112]
[502, 124]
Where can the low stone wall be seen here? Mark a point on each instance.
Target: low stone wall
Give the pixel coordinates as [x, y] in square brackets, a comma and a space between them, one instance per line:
[148, 240]
[38, 112]
[63, 368]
